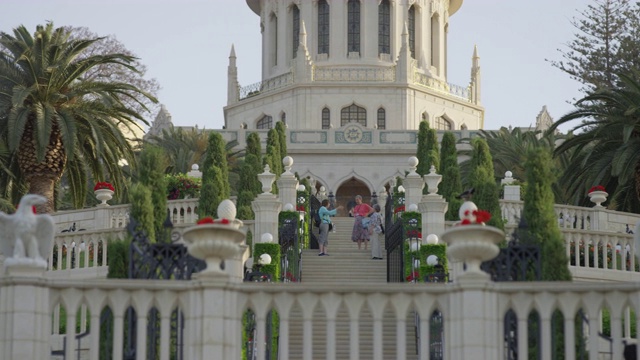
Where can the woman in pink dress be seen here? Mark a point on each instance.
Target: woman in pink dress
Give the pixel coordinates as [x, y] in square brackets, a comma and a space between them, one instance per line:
[360, 232]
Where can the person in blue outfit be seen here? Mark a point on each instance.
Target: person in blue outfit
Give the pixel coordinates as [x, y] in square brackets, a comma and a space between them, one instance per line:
[325, 224]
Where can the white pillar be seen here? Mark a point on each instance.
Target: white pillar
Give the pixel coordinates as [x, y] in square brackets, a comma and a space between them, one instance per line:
[287, 184]
[433, 206]
[25, 317]
[266, 207]
[413, 184]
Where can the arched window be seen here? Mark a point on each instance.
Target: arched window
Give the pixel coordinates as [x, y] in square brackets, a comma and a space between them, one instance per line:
[443, 124]
[424, 116]
[384, 27]
[283, 118]
[295, 18]
[353, 113]
[353, 26]
[326, 118]
[382, 119]
[323, 27]
[411, 26]
[265, 123]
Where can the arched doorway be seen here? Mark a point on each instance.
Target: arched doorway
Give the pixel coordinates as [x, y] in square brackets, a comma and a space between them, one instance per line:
[346, 193]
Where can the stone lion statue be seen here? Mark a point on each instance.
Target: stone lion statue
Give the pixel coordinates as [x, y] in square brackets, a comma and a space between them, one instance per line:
[26, 238]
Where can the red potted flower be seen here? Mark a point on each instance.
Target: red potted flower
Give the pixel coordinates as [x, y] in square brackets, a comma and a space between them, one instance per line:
[104, 192]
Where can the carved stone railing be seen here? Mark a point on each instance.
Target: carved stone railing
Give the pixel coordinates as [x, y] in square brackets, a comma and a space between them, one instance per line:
[344, 309]
[442, 86]
[387, 74]
[264, 86]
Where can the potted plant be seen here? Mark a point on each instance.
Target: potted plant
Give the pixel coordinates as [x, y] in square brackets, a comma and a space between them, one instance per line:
[104, 192]
[598, 195]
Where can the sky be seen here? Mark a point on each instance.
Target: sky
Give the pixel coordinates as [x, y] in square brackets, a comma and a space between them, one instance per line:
[185, 45]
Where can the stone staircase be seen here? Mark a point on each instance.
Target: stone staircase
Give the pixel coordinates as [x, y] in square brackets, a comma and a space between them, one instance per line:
[346, 264]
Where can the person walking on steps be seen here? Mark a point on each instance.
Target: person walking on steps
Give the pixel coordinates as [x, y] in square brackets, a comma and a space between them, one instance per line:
[325, 225]
[360, 212]
[375, 224]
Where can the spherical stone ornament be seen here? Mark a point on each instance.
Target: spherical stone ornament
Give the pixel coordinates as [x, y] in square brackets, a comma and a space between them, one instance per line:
[413, 161]
[288, 207]
[413, 208]
[508, 174]
[432, 239]
[301, 187]
[227, 210]
[432, 260]
[249, 263]
[266, 238]
[265, 259]
[287, 161]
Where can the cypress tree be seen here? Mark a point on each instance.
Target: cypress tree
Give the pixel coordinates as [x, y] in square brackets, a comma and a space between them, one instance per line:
[451, 184]
[282, 133]
[142, 209]
[210, 194]
[540, 217]
[248, 187]
[482, 179]
[273, 152]
[152, 164]
[422, 152]
[216, 155]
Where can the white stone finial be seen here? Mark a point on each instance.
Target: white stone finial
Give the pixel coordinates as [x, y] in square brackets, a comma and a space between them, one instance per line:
[227, 210]
[301, 187]
[508, 174]
[412, 207]
[267, 179]
[413, 165]
[432, 179]
[432, 260]
[401, 189]
[287, 161]
[288, 207]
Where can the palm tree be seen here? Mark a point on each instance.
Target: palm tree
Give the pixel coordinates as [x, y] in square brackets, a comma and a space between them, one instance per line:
[57, 121]
[606, 151]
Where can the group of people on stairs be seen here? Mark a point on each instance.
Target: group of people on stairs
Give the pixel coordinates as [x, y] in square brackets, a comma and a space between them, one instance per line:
[367, 226]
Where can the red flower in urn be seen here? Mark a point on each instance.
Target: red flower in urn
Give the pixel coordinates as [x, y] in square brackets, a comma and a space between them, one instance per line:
[103, 185]
[597, 188]
[210, 220]
[480, 216]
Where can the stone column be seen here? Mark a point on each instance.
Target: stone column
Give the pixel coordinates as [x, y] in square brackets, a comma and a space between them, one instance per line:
[212, 318]
[413, 184]
[25, 316]
[266, 207]
[287, 184]
[433, 206]
[474, 306]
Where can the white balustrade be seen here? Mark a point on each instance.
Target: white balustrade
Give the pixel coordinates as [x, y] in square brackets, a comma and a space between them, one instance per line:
[318, 311]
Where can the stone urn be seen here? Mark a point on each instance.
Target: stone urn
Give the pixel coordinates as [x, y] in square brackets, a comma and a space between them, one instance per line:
[598, 197]
[217, 241]
[103, 195]
[473, 244]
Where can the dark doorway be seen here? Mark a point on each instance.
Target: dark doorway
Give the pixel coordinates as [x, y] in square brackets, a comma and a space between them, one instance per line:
[347, 192]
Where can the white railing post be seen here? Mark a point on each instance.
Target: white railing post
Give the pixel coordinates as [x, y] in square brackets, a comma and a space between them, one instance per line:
[287, 184]
[433, 206]
[413, 184]
[25, 318]
[266, 207]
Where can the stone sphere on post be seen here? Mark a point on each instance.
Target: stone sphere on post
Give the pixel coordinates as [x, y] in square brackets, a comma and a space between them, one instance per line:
[288, 207]
[413, 165]
[432, 260]
[287, 161]
[412, 208]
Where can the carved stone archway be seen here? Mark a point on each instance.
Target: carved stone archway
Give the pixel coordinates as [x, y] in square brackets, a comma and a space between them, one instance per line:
[347, 191]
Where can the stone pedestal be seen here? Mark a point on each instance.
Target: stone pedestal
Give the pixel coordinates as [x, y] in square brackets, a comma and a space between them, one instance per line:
[266, 208]
[433, 208]
[413, 184]
[25, 317]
